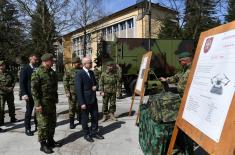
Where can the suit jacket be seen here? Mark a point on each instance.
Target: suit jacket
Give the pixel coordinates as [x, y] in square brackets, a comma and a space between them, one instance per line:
[83, 85]
[25, 80]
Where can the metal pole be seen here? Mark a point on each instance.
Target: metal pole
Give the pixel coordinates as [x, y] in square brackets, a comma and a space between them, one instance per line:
[149, 12]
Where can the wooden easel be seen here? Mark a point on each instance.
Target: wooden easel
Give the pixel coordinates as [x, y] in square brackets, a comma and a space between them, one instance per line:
[226, 143]
[139, 87]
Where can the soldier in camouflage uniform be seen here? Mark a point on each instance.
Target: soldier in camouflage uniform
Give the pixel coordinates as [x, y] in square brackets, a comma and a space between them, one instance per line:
[108, 87]
[44, 91]
[69, 87]
[7, 83]
[184, 145]
[119, 82]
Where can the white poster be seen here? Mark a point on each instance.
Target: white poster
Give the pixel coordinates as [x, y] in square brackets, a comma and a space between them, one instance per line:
[141, 73]
[212, 86]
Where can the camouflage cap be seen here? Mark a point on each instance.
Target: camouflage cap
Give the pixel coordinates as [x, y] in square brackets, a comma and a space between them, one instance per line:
[109, 63]
[1, 62]
[47, 56]
[76, 60]
[184, 54]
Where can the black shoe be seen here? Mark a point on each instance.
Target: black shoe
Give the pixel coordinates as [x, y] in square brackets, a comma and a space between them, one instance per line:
[72, 125]
[28, 132]
[88, 138]
[2, 130]
[52, 143]
[13, 120]
[44, 148]
[98, 136]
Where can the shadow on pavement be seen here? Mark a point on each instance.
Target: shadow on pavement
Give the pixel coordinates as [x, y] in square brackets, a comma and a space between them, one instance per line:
[111, 127]
[126, 114]
[63, 122]
[71, 138]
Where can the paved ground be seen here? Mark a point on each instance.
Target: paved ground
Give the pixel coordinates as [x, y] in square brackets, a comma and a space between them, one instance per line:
[121, 137]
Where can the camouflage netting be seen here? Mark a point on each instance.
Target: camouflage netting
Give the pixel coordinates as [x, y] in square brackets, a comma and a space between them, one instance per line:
[157, 123]
[150, 132]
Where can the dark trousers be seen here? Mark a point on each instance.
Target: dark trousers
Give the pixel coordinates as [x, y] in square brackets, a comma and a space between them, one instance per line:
[91, 109]
[28, 114]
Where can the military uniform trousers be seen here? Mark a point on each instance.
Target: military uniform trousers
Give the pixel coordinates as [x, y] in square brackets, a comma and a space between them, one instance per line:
[46, 124]
[9, 98]
[109, 97]
[73, 107]
[119, 89]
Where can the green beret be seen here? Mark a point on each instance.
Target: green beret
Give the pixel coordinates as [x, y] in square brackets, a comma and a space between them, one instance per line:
[184, 54]
[76, 60]
[109, 63]
[47, 56]
[2, 62]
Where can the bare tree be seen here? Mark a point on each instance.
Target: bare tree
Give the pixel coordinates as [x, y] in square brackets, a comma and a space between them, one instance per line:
[85, 12]
[59, 9]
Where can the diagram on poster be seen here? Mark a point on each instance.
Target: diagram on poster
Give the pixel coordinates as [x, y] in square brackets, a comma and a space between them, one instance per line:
[213, 85]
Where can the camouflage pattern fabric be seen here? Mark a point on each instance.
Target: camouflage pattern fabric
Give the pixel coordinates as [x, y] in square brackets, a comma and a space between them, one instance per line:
[69, 87]
[154, 137]
[108, 85]
[181, 79]
[44, 87]
[7, 83]
[119, 81]
[164, 106]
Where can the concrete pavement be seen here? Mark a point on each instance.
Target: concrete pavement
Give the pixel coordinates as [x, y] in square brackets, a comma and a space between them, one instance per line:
[121, 137]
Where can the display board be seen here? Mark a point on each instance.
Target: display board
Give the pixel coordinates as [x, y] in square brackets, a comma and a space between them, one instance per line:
[142, 78]
[207, 111]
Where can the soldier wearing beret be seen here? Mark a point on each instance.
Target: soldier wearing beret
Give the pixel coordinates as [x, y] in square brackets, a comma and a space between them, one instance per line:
[183, 144]
[7, 83]
[44, 91]
[108, 87]
[69, 87]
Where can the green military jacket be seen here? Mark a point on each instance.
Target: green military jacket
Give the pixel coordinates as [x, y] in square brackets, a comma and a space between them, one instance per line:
[7, 82]
[108, 82]
[69, 80]
[181, 79]
[44, 87]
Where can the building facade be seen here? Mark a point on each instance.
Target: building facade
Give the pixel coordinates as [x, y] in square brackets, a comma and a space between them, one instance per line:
[128, 23]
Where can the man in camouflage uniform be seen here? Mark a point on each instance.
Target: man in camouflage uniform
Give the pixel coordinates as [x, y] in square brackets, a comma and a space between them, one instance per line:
[44, 91]
[7, 83]
[119, 82]
[108, 87]
[69, 87]
[183, 144]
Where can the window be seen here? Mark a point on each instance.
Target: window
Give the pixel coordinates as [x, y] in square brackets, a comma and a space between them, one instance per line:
[115, 28]
[104, 32]
[123, 25]
[109, 30]
[130, 23]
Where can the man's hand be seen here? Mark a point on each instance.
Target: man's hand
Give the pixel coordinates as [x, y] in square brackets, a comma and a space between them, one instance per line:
[94, 88]
[163, 79]
[83, 106]
[102, 94]
[38, 109]
[25, 97]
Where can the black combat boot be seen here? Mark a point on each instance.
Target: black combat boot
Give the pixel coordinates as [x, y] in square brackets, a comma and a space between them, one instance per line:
[13, 120]
[2, 130]
[72, 126]
[44, 148]
[51, 143]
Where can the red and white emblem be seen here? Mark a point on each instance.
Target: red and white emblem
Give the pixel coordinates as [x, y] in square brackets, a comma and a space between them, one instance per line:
[208, 44]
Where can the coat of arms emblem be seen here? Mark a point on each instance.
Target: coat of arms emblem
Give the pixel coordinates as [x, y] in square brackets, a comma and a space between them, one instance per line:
[208, 44]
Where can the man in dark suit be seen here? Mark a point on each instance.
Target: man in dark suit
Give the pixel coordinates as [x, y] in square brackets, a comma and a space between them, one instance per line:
[86, 85]
[25, 88]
